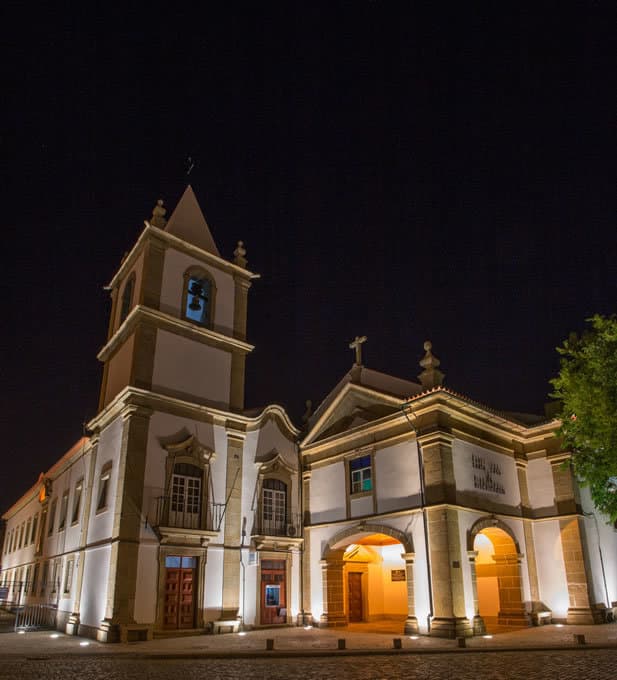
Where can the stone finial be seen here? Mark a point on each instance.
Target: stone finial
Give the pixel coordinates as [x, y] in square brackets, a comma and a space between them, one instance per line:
[240, 255]
[158, 215]
[431, 376]
[308, 412]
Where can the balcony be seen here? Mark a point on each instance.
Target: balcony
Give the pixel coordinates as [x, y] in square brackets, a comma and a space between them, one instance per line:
[185, 523]
[277, 532]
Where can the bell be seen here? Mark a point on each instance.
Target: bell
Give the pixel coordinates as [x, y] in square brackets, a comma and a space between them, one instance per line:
[195, 305]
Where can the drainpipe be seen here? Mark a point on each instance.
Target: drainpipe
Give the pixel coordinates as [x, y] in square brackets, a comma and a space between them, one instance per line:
[424, 516]
[243, 626]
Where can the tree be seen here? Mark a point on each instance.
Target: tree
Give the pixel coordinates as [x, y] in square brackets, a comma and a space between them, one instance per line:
[587, 389]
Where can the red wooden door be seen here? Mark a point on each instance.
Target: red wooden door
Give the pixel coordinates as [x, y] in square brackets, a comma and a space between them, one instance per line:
[179, 606]
[354, 593]
[273, 592]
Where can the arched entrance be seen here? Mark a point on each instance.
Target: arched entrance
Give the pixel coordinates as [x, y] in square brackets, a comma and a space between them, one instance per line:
[367, 579]
[496, 575]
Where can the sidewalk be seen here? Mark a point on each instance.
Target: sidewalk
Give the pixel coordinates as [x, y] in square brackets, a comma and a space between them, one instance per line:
[303, 642]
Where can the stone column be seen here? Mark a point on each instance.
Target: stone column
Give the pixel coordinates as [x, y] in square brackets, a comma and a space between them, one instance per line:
[411, 623]
[233, 526]
[478, 622]
[446, 575]
[439, 483]
[511, 609]
[332, 582]
[306, 550]
[579, 611]
[123, 577]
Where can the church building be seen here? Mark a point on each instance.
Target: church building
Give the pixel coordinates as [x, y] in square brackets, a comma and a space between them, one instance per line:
[396, 501]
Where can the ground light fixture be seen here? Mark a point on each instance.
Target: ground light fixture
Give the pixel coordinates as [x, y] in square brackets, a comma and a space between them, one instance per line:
[487, 637]
[413, 637]
[84, 643]
[21, 632]
[55, 635]
[242, 632]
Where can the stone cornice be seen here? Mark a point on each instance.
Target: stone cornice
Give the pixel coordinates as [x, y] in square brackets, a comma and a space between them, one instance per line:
[133, 396]
[166, 322]
[151, 233]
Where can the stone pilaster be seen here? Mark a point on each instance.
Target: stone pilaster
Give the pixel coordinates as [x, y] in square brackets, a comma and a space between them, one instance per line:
[122, 582]
[478, 622]
[152, 279]
[511, 609]
[306, 549]
[449, 619]
[564, 486]
[333, 585]
[579, 611]
[240, 306]
[233, 525]
[521, 470]
[439, 483]
[411, 623]
[532, 569]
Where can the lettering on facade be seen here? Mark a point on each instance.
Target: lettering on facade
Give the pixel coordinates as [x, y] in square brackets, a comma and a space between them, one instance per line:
[397, 575]
[485, 479]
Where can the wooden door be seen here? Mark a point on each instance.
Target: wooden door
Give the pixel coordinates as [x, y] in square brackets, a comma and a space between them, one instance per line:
[179, 607]
[354, 596]
[273, 592]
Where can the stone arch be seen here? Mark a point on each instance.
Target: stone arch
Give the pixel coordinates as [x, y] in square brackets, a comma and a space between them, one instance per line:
[401, 537]
[489, 522]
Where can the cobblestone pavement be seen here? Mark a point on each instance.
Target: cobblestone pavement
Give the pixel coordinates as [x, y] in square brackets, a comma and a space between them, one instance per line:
[563, 664]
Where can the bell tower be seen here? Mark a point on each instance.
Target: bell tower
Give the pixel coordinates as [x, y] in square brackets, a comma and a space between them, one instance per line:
[178, 319]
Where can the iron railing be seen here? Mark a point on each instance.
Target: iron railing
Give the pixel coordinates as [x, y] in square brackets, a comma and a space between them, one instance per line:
[290, 526]
[171, 513]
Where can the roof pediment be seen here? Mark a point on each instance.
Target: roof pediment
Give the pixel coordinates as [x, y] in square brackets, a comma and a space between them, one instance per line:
[188, 223]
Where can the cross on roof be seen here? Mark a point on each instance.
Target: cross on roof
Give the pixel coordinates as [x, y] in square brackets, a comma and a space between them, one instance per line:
[357, 346]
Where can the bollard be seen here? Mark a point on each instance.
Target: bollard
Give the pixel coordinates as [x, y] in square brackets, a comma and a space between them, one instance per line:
[397, 643]
[269, 644]
[579, 639]
[341, 643]
[462, 642]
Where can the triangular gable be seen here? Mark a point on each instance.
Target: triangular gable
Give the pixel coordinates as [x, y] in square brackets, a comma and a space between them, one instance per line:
[188, 223]
[354, 406]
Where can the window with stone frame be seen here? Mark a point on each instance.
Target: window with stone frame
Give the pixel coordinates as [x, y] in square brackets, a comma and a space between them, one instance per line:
[52, 517]
[198, 297]
[103, 489]
[77, 501]
[68, 576]
[273, 507]
[64, 508]
[35, 522]
[360, 474]
[126, 301]
[186, 492]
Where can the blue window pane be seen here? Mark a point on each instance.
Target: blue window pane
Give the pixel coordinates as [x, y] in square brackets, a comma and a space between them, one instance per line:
[273, 596]
[172, 562]
[198, 301]
[189, 562]
[359, 463]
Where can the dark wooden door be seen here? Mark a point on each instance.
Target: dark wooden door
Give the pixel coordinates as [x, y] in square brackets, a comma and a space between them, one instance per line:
[273, 592]
[354, 593]
[179, 610]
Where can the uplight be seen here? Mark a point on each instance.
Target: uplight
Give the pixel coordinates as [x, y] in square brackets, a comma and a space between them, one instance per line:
[308, 627]
[54, 635]
[84, 644]
[413, 637]
[487, 637]
[21, 632]
[241, 633]
[559, 625]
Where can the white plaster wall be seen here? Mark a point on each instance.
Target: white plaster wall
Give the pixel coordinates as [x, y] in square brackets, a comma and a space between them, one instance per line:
[397, 480]
[213, 584]
[147, 583]
[191, 369]
[601, 544]
[101, 523]
[175, 264]
[359, 507]
[251, 594]
[464, 472]
[94, 590]
[551, 569]
[293, 588]
[250, 502]
[327, 496]
[540, 483]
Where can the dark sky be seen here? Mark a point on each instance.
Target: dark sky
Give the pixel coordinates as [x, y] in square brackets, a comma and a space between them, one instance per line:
[395, 173]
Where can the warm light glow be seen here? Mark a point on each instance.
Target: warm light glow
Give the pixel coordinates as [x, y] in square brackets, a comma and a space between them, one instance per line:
[413, 637]
[42, 494]
[487, 637]
[54, 635]
[308, 627]
[559, 625]
[21, 632]
[84, 644]
[241, 633]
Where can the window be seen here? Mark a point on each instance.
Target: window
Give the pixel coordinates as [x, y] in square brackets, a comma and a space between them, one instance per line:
[64, 507]
[52, 517]
[197, 303]
[44, 576]
[104, 487]
[68, 577]
[39, 544]
[273, 596]
[185, 506]
[27, 534]
[54, 576]
[35, 521]
[21, 535]
[360, 474]
[274, 507]
[77, 501]
[35, 578]
[127, 297]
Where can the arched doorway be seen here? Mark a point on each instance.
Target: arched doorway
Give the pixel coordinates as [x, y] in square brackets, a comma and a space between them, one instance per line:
[367, 579]
[496, 562]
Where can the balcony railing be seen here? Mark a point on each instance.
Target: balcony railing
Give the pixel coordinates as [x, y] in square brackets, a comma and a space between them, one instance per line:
[291, 526]
[172, 513]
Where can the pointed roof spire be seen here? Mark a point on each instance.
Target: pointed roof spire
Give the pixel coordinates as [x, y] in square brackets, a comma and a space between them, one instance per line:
[188, 223]
[431, 376]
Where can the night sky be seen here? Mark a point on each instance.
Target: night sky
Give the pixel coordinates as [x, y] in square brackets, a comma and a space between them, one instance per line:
[399, 174]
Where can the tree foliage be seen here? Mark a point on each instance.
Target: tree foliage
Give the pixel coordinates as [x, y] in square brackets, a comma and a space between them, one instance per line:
[587, 388]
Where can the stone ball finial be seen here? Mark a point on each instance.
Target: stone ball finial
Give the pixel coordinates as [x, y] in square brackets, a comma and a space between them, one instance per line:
[158, 215]
[431, 376]
[240, 255]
